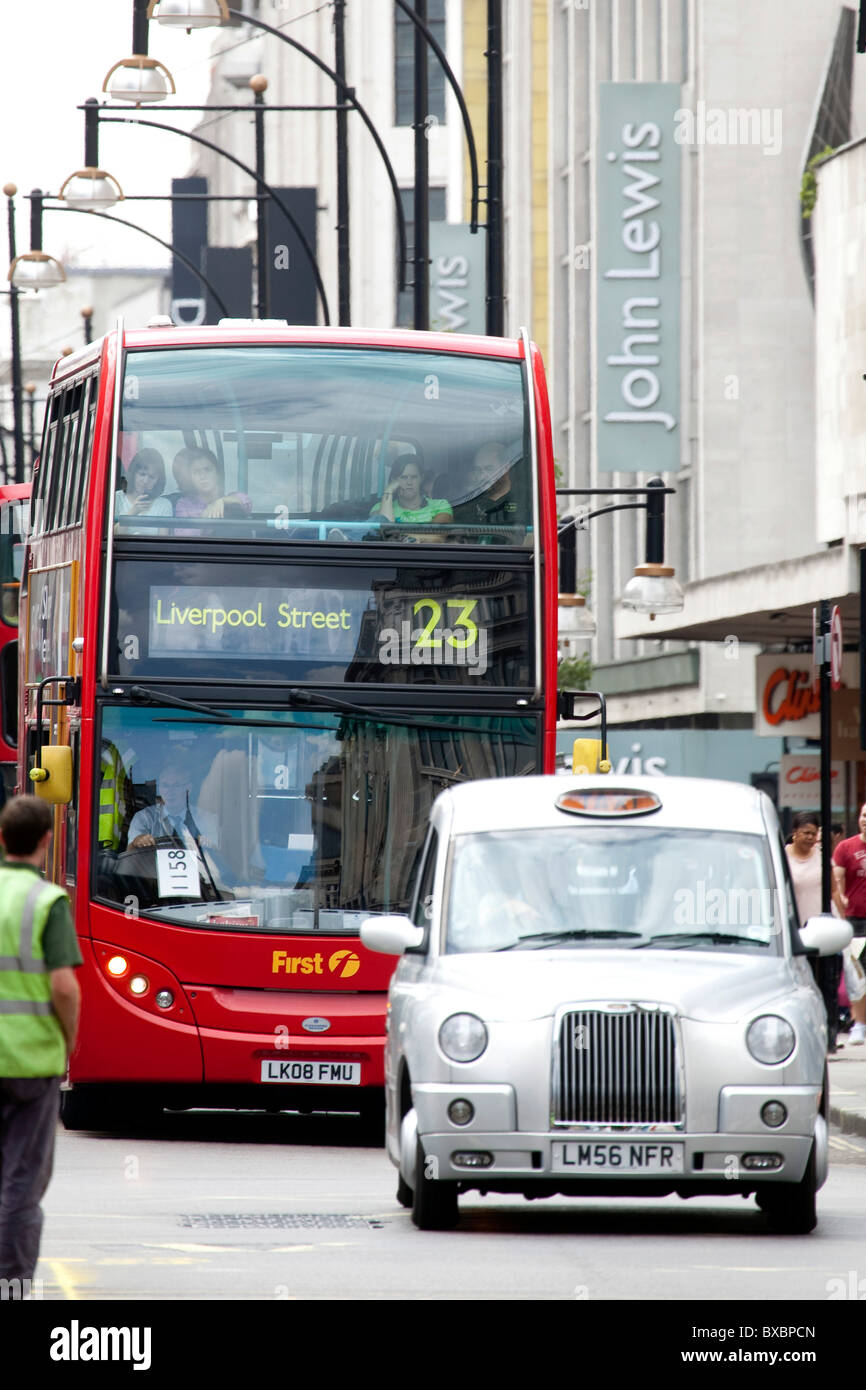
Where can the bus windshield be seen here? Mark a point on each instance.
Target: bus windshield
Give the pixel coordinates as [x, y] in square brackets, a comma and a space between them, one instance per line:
[323, 443]
[278, 821]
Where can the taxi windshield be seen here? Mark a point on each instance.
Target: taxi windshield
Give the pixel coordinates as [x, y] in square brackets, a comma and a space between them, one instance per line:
[278, 821]
[613, 887]
[307, 443]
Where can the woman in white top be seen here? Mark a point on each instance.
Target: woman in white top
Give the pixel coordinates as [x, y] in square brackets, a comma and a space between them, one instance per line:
[804, 858]
[145, 484]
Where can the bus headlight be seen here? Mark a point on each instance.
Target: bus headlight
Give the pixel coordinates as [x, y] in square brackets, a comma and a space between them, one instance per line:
[139, 984]
[463, 1037]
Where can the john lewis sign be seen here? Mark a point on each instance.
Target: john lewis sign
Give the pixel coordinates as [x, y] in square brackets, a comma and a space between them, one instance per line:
[638, 278]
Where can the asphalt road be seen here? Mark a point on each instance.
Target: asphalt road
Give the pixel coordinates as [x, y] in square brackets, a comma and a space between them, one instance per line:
[234, 1207]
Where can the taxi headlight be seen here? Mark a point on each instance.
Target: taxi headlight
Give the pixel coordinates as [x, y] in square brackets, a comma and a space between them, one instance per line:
[770, 1039]
[463, 1037]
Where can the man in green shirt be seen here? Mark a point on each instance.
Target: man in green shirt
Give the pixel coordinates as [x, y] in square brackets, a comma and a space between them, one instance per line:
[39, 1005]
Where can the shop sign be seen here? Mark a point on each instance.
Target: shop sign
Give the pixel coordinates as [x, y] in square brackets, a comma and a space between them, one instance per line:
[800, 782]
[787, 693]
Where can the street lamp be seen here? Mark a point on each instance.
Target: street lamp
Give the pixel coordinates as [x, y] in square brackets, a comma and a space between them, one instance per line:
[188, 14]
[139, 79]
[19, 267]
[91, 189]
[652, 589]
[33, 269]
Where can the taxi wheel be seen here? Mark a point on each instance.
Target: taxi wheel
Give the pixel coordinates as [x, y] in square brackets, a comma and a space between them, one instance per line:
[434, 1204]
[405, 1195]
[791, 1208]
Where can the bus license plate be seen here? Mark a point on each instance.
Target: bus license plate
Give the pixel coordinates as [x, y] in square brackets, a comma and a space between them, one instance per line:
[638, 1157]
[296, 1072]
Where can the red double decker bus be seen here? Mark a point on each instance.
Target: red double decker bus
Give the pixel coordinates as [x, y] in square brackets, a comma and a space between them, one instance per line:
[14, 507]
[282, 586]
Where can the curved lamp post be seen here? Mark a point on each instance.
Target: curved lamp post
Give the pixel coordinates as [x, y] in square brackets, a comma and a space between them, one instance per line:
[93, 115]
[23, 273]
[87, 314]
[197, 14]
[652, 589]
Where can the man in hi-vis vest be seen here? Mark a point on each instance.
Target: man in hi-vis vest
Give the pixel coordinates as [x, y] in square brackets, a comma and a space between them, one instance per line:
[39, 1003]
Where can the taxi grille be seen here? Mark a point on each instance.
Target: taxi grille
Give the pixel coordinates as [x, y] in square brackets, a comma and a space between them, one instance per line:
[617, 1068]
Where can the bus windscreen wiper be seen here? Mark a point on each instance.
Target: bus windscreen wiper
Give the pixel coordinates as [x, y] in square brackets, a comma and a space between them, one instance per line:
[375, 714]
[157, 697]
[313, 700]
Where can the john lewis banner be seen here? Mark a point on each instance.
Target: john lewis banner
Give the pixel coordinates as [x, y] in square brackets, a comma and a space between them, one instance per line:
[456, 278]
[638, 278]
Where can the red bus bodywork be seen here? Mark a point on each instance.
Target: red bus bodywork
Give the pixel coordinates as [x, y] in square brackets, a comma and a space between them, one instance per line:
[231, 1000]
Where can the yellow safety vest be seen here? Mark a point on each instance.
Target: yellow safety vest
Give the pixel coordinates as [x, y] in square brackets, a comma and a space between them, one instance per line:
[112, 799]
[31, 1038]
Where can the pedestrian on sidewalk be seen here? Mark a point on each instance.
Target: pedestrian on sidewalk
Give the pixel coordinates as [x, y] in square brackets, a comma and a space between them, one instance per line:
[804, 859]
[849, 874]
[39, 1006]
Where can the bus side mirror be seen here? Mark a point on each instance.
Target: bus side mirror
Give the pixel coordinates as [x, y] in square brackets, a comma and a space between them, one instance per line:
[586, 756]
[52, 781]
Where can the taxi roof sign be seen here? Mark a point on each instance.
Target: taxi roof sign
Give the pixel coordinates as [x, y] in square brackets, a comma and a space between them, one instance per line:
[608, 802]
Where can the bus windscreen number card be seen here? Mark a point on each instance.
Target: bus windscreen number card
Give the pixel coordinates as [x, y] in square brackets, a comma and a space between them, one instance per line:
[177, 873]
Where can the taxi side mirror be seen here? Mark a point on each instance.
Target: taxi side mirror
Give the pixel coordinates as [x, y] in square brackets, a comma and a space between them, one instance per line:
[826, 934]
[52, 780]
[390, 935]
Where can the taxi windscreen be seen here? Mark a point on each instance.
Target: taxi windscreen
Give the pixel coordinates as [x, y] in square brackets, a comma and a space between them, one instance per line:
[629, 887]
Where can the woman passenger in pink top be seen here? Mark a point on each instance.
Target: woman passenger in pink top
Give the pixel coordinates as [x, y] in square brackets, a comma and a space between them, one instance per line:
[200, 477]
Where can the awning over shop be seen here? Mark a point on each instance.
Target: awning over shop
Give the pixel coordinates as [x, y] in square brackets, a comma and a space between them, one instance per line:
[768, 604]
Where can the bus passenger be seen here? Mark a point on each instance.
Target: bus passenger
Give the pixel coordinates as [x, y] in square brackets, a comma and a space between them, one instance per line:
[145, 485]
[200, 477]
[490, 496]
[404, 499]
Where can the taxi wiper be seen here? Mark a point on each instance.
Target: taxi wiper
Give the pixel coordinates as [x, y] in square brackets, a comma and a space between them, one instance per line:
[546, 937]
[693, 938]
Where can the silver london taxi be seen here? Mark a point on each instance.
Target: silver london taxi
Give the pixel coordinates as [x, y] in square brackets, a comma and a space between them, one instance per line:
[604, 990]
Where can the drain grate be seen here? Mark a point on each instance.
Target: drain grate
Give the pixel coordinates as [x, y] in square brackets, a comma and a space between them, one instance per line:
[275, 1221]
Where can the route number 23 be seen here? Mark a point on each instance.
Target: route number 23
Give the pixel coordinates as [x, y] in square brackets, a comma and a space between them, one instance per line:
[432, 633]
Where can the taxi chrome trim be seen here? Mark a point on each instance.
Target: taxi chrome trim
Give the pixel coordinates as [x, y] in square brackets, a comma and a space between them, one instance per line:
[617, 1068]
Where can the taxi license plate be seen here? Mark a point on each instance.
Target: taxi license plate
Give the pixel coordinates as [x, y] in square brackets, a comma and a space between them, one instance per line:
[639, 1156]
[296, 1072]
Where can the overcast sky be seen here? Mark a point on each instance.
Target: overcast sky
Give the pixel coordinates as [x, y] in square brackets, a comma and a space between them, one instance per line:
[53, 55]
